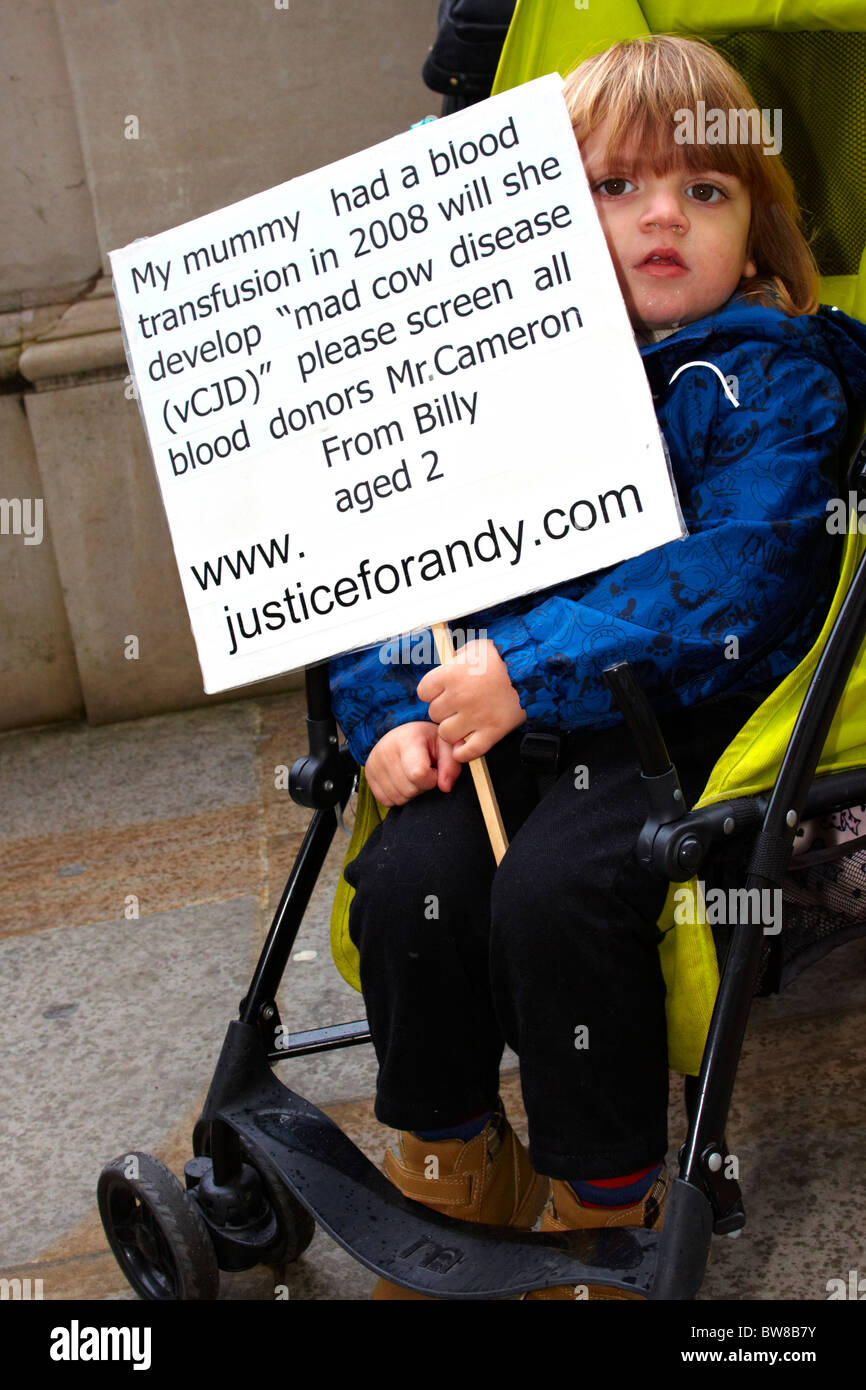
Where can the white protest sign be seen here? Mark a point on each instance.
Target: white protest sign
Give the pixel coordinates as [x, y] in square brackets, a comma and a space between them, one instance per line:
[396, 390]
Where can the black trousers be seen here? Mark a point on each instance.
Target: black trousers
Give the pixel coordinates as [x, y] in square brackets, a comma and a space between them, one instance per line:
[555, 952]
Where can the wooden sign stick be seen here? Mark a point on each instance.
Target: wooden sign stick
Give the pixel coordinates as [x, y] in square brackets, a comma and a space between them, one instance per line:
[478, 766]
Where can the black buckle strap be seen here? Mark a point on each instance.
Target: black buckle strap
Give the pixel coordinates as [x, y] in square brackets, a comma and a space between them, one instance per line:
[545, 755]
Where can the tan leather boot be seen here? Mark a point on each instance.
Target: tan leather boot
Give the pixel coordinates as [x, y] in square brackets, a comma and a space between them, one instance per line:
[566, 1212]
[487, 1179]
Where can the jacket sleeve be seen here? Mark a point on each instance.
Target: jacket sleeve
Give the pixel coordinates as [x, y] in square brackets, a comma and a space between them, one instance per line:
[754, 482]
[373, 690]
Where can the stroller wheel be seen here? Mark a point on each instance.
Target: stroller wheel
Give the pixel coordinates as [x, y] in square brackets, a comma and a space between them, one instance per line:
[155, 1230]
[296, 1225]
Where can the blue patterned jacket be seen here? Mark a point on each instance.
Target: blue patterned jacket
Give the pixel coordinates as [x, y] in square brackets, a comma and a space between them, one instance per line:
[759, 562]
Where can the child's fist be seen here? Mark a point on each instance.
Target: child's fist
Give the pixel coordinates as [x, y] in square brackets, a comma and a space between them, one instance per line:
[472, 700]
[409, 760]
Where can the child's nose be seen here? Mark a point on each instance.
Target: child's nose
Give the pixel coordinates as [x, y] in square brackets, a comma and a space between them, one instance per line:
[664, 209]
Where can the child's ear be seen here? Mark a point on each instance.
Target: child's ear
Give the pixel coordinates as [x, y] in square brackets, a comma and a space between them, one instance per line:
[749, 270]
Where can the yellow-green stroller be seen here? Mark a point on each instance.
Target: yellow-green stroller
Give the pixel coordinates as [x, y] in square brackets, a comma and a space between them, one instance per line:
[268, 1164]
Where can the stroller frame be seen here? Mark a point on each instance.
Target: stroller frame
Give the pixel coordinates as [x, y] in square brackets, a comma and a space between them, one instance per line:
[268, 1164]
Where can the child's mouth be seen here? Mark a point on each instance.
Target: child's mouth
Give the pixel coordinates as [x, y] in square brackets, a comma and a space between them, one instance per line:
[663, 263]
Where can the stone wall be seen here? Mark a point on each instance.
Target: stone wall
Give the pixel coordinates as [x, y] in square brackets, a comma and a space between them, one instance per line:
[123, 118]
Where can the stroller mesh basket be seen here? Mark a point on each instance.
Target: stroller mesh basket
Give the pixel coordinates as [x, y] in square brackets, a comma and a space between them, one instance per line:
[824, 902]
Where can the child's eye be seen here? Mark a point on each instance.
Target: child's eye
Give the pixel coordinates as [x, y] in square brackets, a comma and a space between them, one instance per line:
[612, 188]
[703, 192]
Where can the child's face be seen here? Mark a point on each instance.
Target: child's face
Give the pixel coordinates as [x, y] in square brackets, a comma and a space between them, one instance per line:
[702, 220]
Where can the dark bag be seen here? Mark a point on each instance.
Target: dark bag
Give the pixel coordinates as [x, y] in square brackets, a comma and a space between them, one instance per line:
[463, 60]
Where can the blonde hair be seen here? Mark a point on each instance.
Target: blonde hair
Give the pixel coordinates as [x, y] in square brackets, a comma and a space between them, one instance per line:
[645, 86]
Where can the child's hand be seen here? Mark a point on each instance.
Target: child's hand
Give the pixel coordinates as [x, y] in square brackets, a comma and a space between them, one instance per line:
[472, 700]
[409, 760]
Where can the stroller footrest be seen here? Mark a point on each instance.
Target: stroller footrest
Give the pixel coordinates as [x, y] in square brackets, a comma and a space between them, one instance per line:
[419, 1248]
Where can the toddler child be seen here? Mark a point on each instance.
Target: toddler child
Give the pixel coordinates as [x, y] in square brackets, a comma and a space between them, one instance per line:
[556, 951]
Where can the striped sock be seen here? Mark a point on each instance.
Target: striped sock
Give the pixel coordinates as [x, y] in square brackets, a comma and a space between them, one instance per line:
[617, 1192]
[466, 1131]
